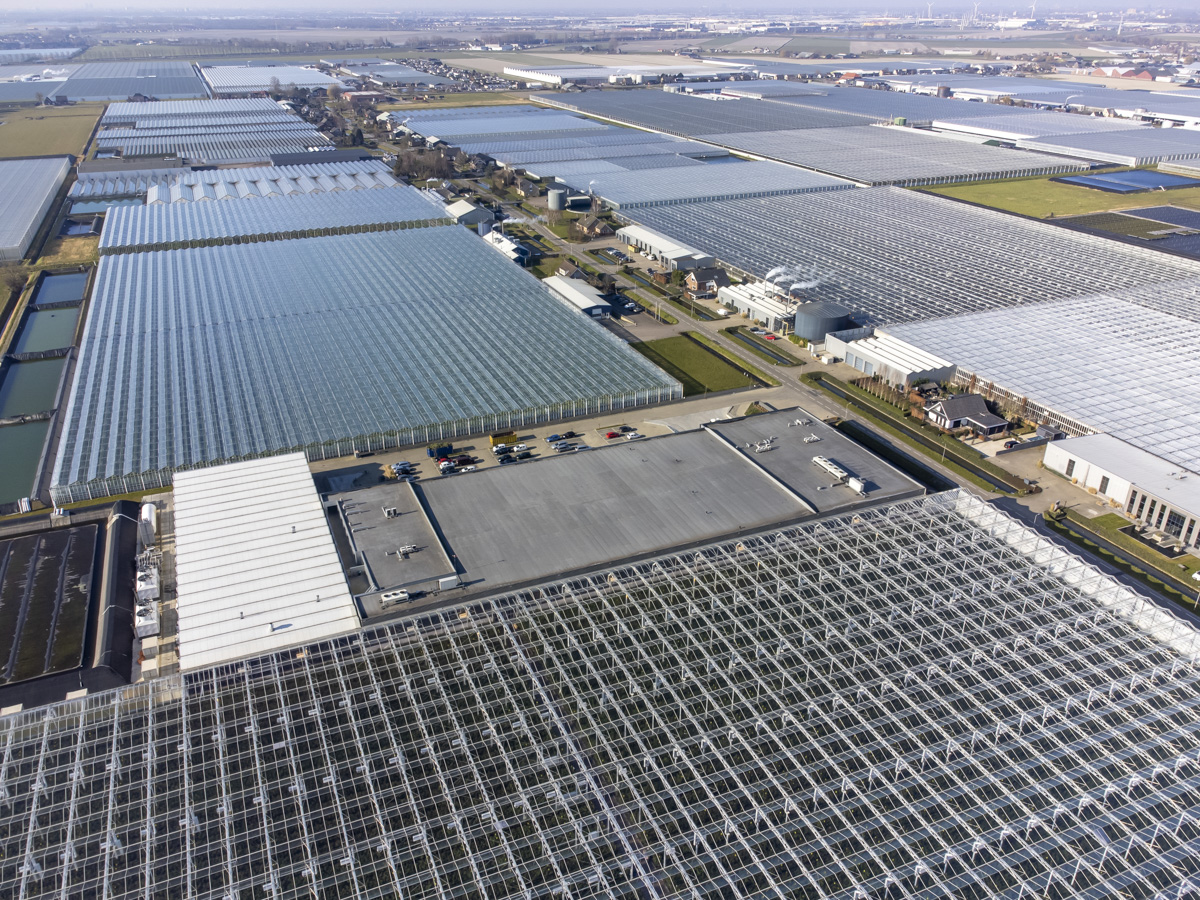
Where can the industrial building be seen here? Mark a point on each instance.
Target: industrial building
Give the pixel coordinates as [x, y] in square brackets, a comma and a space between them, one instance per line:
[886, 255]
[1158, 493]
[464, 212]
[329, 345]
[878, 354]
[27, 189]
[777, 309]
[669, 252]
[923, 699]
[255, 565]
[580, 295]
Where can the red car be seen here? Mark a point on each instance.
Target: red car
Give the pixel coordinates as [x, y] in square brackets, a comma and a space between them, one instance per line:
[771, 337]
[612, 434]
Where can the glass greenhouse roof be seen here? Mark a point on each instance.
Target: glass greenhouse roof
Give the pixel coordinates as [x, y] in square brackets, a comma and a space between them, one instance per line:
[130, 112]
[165, 226]
[326, 344]
[893, 255]
[875, 154]
[690, 184]
[925, 700]
[1112, 365]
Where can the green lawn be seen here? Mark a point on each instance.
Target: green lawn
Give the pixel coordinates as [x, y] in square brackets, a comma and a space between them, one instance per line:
[697, 370]
[1109, 526]
[1041, 197]
[40, 131]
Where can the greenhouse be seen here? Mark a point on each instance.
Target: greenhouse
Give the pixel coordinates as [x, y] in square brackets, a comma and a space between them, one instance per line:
[1099, 363]
[925, 700]
[327, 345]
[172, 226]
[694, 183]
[892, 255]
[134, 112]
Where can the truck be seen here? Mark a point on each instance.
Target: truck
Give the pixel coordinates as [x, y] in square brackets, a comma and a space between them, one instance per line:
[439, 452]
[503, 437]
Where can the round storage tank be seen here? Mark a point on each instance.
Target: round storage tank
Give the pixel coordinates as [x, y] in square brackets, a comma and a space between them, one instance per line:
[816, 319]
[556, 198]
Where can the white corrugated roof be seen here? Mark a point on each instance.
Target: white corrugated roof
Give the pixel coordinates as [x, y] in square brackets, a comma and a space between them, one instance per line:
[256, 567]
[1145, 471]
[900, 355]
[580, 295]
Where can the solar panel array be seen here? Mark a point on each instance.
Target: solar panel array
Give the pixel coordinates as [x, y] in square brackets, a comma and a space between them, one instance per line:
[893, 255]
[921, 700]
[1113, 365]
[166, 226]
[327, 344]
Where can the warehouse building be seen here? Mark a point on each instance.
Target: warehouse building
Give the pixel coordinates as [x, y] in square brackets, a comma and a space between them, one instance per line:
[580, 295]
[464, 212]
[1159, 494]
[668, 251]
[758, 713]
[327, 345]
[878, 354]
[255, 565]
[760, 302]
[27, 190]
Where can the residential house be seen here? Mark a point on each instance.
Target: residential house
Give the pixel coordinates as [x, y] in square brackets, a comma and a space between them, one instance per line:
[965, 411]
[705, 282]
[594, 226]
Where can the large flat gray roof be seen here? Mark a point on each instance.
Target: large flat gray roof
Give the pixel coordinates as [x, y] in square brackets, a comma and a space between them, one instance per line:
[573, 511]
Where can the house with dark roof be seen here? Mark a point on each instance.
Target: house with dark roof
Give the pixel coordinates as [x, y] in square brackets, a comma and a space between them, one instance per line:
[594, 226]
[965, 411]
[705, 281]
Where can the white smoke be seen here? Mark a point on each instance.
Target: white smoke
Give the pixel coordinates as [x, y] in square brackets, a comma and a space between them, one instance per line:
[795, 277]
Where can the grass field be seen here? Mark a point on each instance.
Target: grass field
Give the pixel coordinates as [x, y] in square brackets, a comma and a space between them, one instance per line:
[697, 370]
[499, 98]
[64, 252]
[1041, 197]
[47, 131]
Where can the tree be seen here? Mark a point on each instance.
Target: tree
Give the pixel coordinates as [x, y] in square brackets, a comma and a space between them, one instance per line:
[335, 92]
[462, 161]
[39, 98]
[356, 139]
[274, 87]
[14, 277]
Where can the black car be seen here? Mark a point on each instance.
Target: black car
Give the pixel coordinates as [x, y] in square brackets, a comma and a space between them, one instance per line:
[624, 429]
[524, 454]
[568, 434]
[505, 460]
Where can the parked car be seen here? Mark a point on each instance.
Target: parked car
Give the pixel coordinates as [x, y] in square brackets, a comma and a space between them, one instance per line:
[625, 429]
[770, 337]
[467, 469]
[505, 460]
[524, 454]
[569, 434]
[562, 448]
[554, 439]
[520, 448]
[612, 434]
[1008, 445]
[632, 436]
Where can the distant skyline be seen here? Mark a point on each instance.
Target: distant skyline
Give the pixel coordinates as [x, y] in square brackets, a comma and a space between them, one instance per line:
[538, 8]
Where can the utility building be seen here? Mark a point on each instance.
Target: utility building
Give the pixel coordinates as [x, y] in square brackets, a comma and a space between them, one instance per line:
[1161, 494]
[897, 362]
[580, 295]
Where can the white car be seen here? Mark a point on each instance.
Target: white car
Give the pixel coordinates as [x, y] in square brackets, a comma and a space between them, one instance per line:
[519, 448]
[633, 436]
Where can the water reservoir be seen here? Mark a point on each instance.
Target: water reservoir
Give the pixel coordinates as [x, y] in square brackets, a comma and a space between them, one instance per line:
[47, 329]
[20, 448]
[29, 387]
[61, 288]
